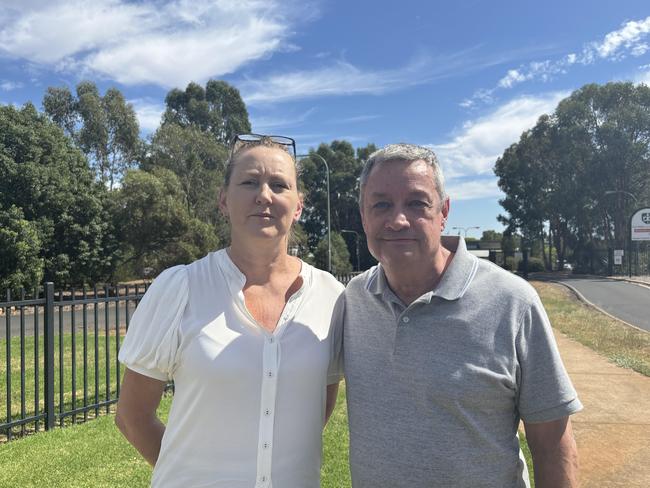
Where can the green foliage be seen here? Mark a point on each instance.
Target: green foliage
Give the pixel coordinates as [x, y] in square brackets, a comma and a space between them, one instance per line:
[491, 235]
[534, 265]
[156, 228]
[573, 173]
[340, 255]
[104, 128]
[197, 159]
[20, 263]
[345, 167]
[218, 109]
[49, 181]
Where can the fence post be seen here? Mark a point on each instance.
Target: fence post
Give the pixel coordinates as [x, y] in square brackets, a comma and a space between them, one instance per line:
[50, 414]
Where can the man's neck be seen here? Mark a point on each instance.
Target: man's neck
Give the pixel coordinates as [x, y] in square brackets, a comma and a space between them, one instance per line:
[411, 282]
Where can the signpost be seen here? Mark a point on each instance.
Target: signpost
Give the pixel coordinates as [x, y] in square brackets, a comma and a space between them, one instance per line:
[639, 231]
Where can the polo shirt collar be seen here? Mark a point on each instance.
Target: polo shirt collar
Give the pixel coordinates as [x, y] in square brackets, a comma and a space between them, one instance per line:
[454, 282]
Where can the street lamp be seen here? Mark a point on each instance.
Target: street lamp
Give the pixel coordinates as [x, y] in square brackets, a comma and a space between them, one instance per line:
[611, 192]
[329, 229]
[465, 229]
[356, 235]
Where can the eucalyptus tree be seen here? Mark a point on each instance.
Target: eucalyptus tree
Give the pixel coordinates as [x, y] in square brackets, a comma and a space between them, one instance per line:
[218, 109]
[105, 127]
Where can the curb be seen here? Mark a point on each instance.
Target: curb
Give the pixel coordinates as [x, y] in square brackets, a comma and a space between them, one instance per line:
[581, 297]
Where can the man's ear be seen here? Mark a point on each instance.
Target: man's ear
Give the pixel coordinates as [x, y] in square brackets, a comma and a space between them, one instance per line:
[444, 209]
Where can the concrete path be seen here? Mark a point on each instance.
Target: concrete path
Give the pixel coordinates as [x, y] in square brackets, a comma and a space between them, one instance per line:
[613, 430]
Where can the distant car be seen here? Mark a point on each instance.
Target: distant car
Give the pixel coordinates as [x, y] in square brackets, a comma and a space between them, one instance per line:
[568, 266]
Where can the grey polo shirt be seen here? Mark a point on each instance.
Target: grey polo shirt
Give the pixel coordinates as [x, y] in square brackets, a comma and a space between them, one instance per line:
[436, 390]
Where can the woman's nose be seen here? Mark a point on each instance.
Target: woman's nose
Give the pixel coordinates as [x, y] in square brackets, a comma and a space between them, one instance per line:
[263, 195]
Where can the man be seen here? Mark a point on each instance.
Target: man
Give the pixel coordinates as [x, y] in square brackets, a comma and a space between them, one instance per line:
[445, 353]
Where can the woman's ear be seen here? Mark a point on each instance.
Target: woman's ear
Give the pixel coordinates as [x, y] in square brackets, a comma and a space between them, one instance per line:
[299, 207]
[222, 203]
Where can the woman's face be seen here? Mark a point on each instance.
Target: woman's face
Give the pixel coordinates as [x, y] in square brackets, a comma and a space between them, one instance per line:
[262, 198]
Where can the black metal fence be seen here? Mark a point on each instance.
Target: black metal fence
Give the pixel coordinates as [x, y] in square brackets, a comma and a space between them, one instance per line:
[60, 363]
[61, 354]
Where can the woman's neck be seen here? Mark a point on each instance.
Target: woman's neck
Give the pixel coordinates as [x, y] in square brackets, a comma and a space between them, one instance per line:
[259, 262]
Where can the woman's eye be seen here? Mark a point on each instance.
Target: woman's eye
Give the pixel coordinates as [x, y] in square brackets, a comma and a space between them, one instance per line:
[381, 205]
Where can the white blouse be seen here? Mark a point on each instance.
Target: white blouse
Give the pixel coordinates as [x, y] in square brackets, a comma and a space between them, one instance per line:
[249, 405]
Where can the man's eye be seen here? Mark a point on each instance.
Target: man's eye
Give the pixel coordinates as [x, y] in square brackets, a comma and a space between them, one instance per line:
[381, 205]
[280, 185]
[248, 182]
[418, 204]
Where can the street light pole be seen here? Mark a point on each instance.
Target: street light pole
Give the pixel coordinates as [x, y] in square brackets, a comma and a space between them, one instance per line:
[356, 235]
[329, 228]
[465, 229]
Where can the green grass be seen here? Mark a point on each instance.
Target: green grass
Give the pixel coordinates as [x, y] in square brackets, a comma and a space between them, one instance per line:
[95, 454]
[30, 388]
[623, 345]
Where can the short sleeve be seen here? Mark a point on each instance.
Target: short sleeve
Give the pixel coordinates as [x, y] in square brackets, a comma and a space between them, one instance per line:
[151, 343]
[545, 391]
[335, 370]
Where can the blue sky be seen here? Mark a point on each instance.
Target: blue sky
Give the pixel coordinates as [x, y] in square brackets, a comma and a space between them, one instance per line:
[465, 77]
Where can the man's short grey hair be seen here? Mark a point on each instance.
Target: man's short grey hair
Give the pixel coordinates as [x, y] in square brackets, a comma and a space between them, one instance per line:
[403, 153]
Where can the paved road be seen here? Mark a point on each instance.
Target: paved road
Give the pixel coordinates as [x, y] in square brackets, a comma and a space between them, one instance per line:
[67, 320]
[626, 301]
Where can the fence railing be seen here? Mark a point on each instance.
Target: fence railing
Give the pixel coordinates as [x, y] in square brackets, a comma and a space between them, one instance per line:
[60, 353]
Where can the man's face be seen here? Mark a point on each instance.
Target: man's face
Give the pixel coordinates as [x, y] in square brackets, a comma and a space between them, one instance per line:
[401, 213]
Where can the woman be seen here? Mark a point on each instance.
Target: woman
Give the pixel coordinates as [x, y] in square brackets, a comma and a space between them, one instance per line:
[245, 335]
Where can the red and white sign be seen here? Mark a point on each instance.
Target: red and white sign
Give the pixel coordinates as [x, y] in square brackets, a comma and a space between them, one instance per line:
[641, 225]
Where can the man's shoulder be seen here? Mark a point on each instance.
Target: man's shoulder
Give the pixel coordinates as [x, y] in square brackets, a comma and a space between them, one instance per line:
[359, 284]
[502, 284]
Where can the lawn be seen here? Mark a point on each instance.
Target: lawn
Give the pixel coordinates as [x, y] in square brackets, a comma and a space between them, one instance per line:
[95, 454]
[623, 345]
[82, 377]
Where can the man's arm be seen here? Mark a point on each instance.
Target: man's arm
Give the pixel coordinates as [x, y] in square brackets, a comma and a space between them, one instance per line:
[554, 451]
[136, 413]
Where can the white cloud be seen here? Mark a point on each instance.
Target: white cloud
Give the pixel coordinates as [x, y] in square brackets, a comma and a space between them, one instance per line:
[354, 119]
[266, 124]
[616, 45]
[473, 151]
[167, 42]
[628, 37]
[149, 114]
[344, 78]
[341, 78]
[473, 189]
[10, 85]
[512, 77]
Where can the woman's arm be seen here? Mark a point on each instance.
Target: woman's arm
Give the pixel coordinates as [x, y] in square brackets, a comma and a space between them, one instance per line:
[330, 402]
[136, 413]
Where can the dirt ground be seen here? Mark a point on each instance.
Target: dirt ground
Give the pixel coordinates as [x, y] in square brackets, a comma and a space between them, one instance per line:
[613, 430]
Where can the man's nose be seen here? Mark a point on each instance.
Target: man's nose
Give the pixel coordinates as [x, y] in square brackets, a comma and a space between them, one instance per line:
[398, 221]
